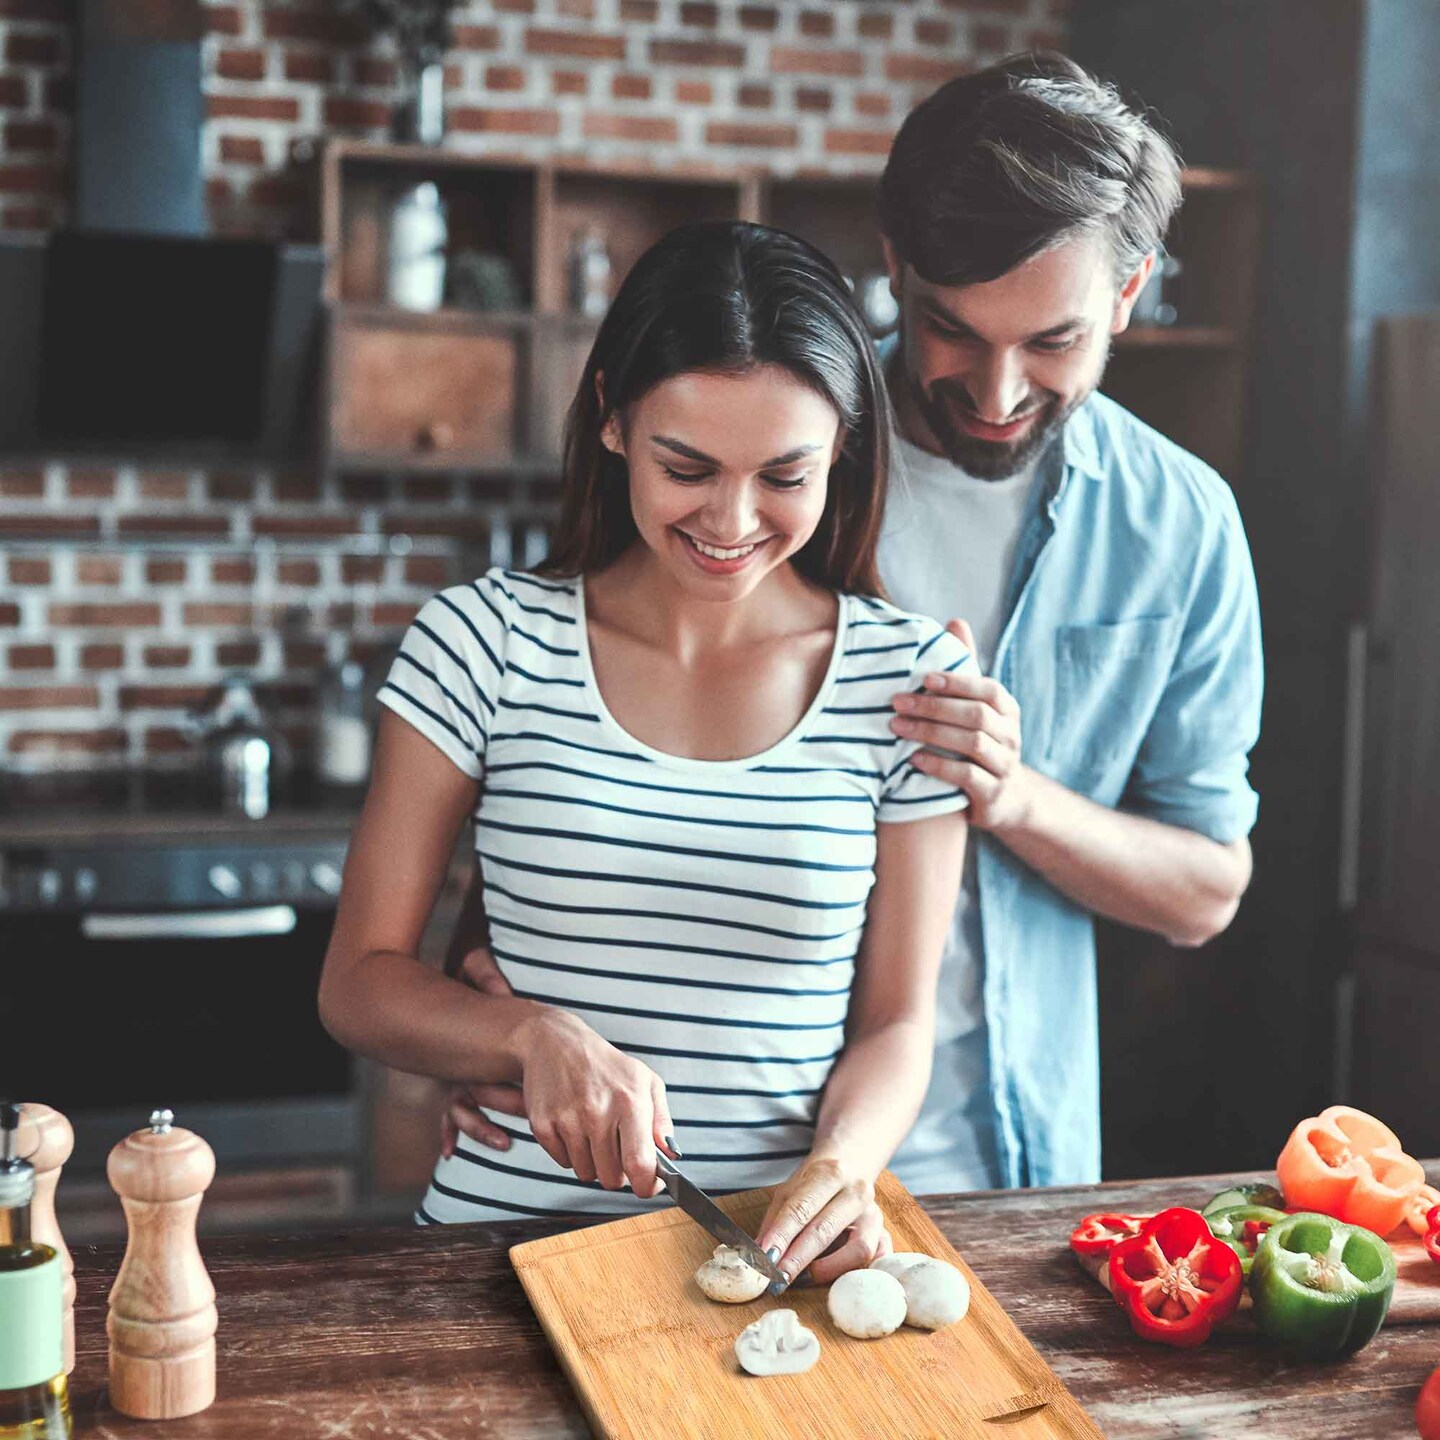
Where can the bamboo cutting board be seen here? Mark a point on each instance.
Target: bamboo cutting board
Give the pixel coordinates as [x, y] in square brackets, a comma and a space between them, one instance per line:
[648, 1354]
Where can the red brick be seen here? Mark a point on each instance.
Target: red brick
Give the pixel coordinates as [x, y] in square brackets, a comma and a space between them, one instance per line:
[302, 654]
[575, 44]
[252, 107]
[350, 110]
[445, 524]
[875, 25]
[102, 657]
[38, 525]
[631, 87]
[392, 616]
[27, 570]
[857, 142]
[166, 657]
[874, 104]
[648, 129]
[427, 570]
[755, 97]
[792, 60]
[237, 570]
[569, 82]
[167, 742]
[1010, 7]
[14, 92]
[278, 192]
[364, 489]
[231, 486]
[98, 570]
[174, 524]
[471, 120]
[132, 615]
[32, 657]
[362, 569]
[50, 697]
[305, 525]
[308, 67]
[759, 17]
[67, 742]
[730, 132]
[40, 136]
[161, 697]
[223, 19]
[298, 572]
[241, 64]
[697, 52]
[165, 485]
[238, 652]
[699, 12]
[166, 571]
[504, 77]
[812, 100]
[90, 484]
[372, 71]
[471, 37]
[211, 613]
[28, 217]
[934, 32]
[694, 92]
[30, 49]
[326, 23]
[817, 24]
[639, 12]
[575, 9]
[514, 7]
[31, 179]
[427, 489]
[22, 484]
[923, 69]
[242, 150]
[9, 614]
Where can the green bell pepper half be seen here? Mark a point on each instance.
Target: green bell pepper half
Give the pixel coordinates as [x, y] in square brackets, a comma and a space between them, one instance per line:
[1321, 1288]
[1231, 1226]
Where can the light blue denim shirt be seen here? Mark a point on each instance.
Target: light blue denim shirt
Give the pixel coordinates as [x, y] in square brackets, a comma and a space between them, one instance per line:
[1132, 645]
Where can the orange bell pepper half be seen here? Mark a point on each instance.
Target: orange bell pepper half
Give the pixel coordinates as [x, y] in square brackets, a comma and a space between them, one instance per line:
[1346, 1164]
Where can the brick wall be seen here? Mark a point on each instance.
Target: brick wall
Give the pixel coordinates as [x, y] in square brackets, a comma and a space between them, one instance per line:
[125, 592]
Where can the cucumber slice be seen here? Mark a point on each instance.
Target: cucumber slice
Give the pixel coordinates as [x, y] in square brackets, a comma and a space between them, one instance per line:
[1255, 1193]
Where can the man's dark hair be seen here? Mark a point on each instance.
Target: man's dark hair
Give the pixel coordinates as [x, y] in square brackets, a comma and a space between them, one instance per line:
[998, 166]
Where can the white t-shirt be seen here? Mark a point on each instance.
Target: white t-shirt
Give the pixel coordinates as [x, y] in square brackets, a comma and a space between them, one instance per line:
[702, 915]
[948, 550]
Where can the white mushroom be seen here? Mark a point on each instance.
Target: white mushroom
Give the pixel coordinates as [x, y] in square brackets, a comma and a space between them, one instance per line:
[898, 1262]
[777, 1344]
[726, 1276]
[936, 1294]
[867, 1304]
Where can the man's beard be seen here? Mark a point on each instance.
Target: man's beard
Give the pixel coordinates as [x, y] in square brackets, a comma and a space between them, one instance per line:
[991, 459]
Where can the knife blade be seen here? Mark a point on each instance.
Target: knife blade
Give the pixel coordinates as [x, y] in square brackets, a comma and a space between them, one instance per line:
[705, 1212]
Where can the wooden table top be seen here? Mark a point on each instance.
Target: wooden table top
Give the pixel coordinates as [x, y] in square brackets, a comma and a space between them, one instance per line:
[417, 1333]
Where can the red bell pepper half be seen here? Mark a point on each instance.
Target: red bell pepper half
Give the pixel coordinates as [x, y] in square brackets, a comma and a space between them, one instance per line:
[1432, 1233]
[1095, 1235]
[1175, 1280]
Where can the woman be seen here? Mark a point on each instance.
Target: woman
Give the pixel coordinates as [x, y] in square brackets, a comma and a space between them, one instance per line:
[716, 886]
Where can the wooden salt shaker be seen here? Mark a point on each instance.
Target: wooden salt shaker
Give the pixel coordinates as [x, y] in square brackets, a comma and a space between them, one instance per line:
[46, 1139]
[162, 1305]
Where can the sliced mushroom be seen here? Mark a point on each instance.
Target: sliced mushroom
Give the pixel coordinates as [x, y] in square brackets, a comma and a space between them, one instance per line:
[725, 1276]
[936, 1294]
[898, 1262]
[867, 1304]
[777, 1344]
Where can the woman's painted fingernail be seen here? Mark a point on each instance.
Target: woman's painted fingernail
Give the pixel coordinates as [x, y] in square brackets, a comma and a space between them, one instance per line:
[673, 1147]
[773, 1254]
[802, 1280]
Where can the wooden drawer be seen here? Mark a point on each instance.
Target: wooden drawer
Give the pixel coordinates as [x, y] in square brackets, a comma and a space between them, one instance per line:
[409, 393]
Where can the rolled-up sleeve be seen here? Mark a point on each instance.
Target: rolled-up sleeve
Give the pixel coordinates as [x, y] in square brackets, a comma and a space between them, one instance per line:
[1193, 765]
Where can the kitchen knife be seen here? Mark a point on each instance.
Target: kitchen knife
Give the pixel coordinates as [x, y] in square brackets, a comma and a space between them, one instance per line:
[702, 1209]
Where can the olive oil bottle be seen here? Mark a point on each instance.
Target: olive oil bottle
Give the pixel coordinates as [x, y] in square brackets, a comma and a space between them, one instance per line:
[34, 1398]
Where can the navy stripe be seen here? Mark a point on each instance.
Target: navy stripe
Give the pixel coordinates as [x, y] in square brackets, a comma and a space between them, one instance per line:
[548, 710]
[571, 1180]
[856, 799]
[689, 1156]
[878, 675]
[951, 669]
[748, 1094]
[535, 609]
[543, 644]
[527, 900]
[786, 861]
[545, 679]
[649, 978]
[881, 649]
[930, 644]
[738, 1059]
[458, 660]
[492, 1204]
[448, 693]
[677, 819]
[668, 1015]
[669, 884]
[435, 715]
[875, 740]
[489, 604]
[860, 624]
[519, 577]
[920, 799]
[570, 745]
[819, 770]
[741, 1124]
[852, 709]
[471, 626]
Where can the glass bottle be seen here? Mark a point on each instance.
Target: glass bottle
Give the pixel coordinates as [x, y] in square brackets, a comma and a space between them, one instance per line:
[34, 1398]
[343, 740]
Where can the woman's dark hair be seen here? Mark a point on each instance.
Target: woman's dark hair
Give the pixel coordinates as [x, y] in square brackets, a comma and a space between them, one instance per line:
[998, 166]
[725, 297]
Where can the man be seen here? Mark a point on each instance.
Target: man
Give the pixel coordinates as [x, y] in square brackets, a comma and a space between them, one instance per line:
[1108, 590]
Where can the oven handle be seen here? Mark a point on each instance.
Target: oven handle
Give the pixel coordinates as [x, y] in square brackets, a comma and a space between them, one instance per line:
[192, 924]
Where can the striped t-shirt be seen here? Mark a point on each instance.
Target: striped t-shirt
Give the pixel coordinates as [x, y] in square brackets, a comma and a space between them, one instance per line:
[701, 915]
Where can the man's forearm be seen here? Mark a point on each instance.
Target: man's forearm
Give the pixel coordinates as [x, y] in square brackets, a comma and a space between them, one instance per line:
[1141, 872]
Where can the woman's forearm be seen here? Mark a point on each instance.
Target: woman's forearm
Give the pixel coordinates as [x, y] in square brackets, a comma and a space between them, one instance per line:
[395, 1009]
[874, 1094]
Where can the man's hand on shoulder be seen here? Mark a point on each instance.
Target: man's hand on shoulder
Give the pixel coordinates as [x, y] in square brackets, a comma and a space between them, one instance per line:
[970, 725]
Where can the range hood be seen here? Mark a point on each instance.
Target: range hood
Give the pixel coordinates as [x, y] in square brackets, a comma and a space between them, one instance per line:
[132, 332]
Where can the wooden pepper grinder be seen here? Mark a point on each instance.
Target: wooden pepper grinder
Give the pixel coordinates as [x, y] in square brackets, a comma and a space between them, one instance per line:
[46, 1138]
[162, 1305]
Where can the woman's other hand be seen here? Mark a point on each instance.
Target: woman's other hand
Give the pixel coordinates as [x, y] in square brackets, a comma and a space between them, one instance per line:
[592, 1108]
[824, 1219]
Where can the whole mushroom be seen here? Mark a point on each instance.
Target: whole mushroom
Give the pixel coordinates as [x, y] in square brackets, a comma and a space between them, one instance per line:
[867, 1304]
[936, 1294]
[897, 1262]
[725, 1276]
[777, 1344]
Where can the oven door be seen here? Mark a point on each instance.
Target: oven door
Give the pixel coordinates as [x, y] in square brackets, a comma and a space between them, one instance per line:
[172, 1008]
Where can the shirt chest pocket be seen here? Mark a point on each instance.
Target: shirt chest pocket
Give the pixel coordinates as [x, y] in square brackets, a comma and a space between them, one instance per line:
[1109, 677]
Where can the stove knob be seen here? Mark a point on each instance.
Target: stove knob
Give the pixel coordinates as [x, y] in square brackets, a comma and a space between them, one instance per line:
[294, 878]
[49, 883]
[224, 880]
[262, 878]
[325, 877]
[85, 885]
